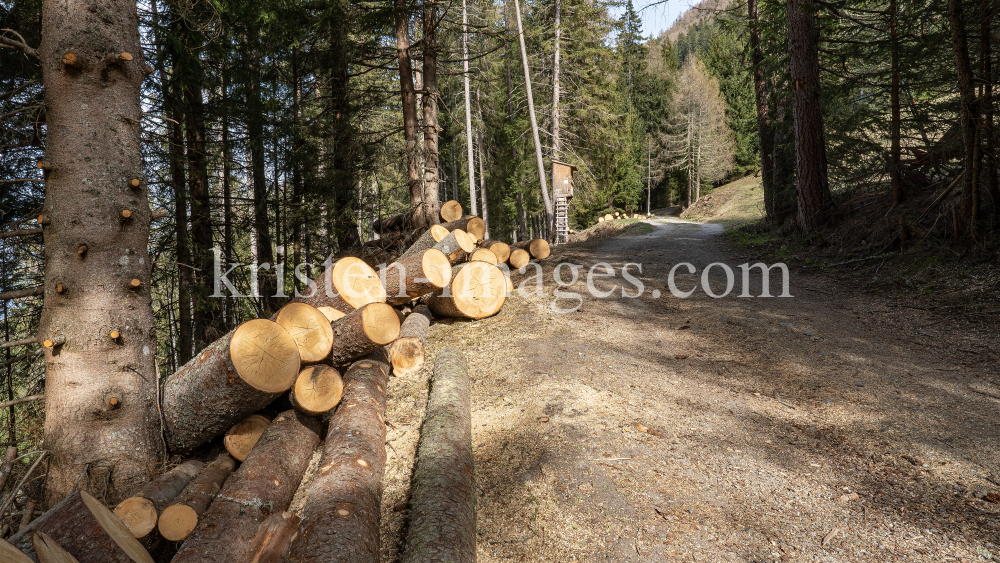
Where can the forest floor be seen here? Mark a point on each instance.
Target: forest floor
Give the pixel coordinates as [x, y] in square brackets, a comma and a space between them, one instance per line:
[834, 425]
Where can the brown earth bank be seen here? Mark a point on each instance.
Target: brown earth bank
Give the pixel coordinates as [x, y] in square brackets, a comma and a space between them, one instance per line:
[830, 426]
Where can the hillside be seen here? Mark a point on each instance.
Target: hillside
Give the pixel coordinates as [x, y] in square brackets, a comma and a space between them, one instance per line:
[695, 14]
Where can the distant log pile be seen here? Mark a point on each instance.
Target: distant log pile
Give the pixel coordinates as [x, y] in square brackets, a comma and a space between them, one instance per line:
[328, 355]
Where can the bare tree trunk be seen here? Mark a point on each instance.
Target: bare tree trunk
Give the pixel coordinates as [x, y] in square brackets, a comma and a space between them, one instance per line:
[531, 113]
[229, 320]
[894, 120]
[763, 117]
[432, 204]
[409, 99]
[967, 93]
[94, 152]
[810, 144]
[261, 220]
[556, 137]
[468, 110]
[185, 338]
[989, 171]
[482, 182]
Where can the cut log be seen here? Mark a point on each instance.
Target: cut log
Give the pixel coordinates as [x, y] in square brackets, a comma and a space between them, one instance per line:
[608, 217]
[49, 551]
[263, 484]
[518, 258]
[451, 211]
[500, 249]
[11, 554]
[538, 248]
[438, 233]
[317, 390]
[416, 275]
[310, 328]
[241, 438]
[330, 313]
[482, 255]
[456, 242]
[340, 521]
[86, 528]
[477, 291]
[350, 284]
[362, 332]
[272, 538]
[407, 351]
[442, 526]
[401, 222]
[140, 512]
[235, 376]
[470, 224]
[180, 518]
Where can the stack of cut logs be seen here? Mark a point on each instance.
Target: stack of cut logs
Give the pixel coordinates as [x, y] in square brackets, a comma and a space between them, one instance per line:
[618, 215]
[269, 392]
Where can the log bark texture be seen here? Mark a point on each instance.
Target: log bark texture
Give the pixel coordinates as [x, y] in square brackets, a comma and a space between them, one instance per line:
[442, 525]
[208, 395]
[362, 332]
[140, 512]
[263, 484]
[181, 517]
[340, 522]
[87, 529]
[407, 351]
[272, 538]
[416, 275]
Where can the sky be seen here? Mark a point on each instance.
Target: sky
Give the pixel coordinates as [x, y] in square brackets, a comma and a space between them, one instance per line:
[657, 17]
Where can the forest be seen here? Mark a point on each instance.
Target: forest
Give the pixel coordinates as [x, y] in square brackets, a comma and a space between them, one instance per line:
[172, 170]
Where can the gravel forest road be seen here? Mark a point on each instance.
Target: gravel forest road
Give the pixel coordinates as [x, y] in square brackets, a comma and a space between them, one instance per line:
[829, 426]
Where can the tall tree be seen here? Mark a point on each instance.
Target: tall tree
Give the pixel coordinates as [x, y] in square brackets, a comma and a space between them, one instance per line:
[810, 144]
[409, 111]
[766, 144]
[432, 173]
[969, 117]
[101, 392]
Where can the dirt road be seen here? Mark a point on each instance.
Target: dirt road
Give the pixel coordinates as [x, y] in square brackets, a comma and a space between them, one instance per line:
[829, 426]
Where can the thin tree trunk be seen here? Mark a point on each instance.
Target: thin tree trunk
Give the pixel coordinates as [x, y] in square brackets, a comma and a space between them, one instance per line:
[342, 137]
[409, 101]
[432, 204]
[227, 199]
[531, 113]
[967, 93]
[556, 133]
[894, 120]
[989, 172]
[763, 117]
[185, 270]
[810, 144]
[482, 176]
[468, 110]
[96, 151]
[261, 220]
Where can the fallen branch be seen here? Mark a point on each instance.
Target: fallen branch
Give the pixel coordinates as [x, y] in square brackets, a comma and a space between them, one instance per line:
[20, 233]
[19, 293]
[22, 342]
[27, 399]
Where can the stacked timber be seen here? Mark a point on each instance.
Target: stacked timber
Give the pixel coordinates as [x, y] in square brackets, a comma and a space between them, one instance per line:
[327, 356]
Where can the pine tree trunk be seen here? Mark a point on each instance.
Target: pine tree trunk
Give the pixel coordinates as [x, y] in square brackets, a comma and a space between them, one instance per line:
[261, 220]
[432, 203]
[810, 145]
[763, 117]
[969, 118]
[185, 338]
[556, 138]
[442, 527]
[263, 484]
[989, 168]
[894, 119]
[409, 102]
[93, 151]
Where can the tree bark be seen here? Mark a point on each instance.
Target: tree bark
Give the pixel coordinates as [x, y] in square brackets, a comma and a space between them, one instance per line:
[431, 155]
[264, 484]
[989, 167]
[894, 119]
[86, 529]
[185, 336]
[363, 331]
[442, 526]
[179, 519]
[468, 109]
[810, 145]
[93, 152]
[237, 375]
[272, 538]
[406, 353]
[969, 118]
[409, 102]
[261, 220]
[341, 518]
[140, 512]
[417, 275]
